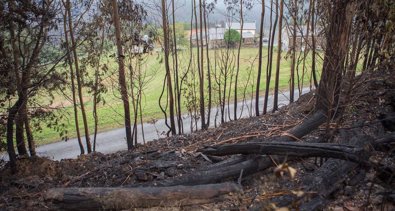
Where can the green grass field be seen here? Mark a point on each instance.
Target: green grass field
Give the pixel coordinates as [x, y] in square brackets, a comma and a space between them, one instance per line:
[111, 113]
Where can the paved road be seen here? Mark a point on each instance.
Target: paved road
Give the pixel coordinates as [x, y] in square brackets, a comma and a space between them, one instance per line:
[114, 140]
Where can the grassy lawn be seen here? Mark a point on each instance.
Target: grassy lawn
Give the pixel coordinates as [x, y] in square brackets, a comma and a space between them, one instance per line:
[111, 113]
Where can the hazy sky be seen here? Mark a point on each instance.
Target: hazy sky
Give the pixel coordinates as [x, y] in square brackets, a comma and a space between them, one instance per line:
[183, 11]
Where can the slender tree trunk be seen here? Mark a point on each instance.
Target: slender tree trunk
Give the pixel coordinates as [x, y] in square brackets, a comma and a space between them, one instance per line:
[201, 74]
[22, 111]
[167, 66]
[20, 142]
[335, 53]
[238, 59]
[366, 54]
[134, 100]
[163, 109]
[306, 47]
[258, 80]
[121, 74]
[96, 92]
[10, 134]
[19, 131]
[277, 79]
[208, 67]
[198, 43]
[78, 77]
[293, 60]
[313, 42]
[29, 136]
[375, 55]
[72, 77]
[270, 56]
[357, 54]
[141, 117]
[176, 82]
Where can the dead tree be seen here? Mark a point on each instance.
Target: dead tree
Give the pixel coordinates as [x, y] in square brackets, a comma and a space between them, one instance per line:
[140, 197]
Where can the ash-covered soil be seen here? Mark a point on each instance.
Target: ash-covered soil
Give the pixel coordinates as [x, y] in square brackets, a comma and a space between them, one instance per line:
[371, 94]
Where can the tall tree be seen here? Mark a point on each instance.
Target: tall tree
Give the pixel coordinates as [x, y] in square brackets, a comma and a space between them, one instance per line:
[238, 59]
[313, 44]
[270, 54]
[121, 74]
[306, 45]
[293, 57]
[209, 86]
[78, 76]
[258, 79]
[201, 72]
[337, 37]
[176, 72]
[20, 80]
[279, 49]
[72, 78]
[166, 42]
[20, 59]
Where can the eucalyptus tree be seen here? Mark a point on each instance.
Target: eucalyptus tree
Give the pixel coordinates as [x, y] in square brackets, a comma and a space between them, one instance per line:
[25, 25]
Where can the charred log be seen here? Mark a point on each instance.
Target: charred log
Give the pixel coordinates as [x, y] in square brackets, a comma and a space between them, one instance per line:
[327, 150]
[143, 197]
[212, 175]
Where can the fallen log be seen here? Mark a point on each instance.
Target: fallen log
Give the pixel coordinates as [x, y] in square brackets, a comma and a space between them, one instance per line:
[143, 197]
[250, 165]
[225, 163]
[324, 181]
[308, 125]
[327, 150]
[212, 175]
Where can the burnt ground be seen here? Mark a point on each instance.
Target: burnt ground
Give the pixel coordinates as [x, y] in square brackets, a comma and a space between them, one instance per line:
[160, 160]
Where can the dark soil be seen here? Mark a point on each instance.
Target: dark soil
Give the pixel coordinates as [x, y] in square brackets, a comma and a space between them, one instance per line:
[371, 95]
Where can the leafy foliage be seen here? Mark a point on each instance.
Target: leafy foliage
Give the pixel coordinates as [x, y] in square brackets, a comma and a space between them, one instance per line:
[232, 37]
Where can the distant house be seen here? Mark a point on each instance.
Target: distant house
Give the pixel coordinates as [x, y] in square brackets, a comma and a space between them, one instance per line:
[215, 36]
[249, 30]
[248, 27]
[301, 38]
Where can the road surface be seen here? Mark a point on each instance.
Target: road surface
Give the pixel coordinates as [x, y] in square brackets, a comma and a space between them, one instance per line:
[114, 140]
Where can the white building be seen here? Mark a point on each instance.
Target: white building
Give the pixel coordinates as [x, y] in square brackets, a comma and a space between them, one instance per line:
[249, 28]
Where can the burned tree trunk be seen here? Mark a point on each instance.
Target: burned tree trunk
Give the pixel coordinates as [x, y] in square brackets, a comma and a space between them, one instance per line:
[327, 150]
[328, 93]
[140, 197]
[217, 173]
